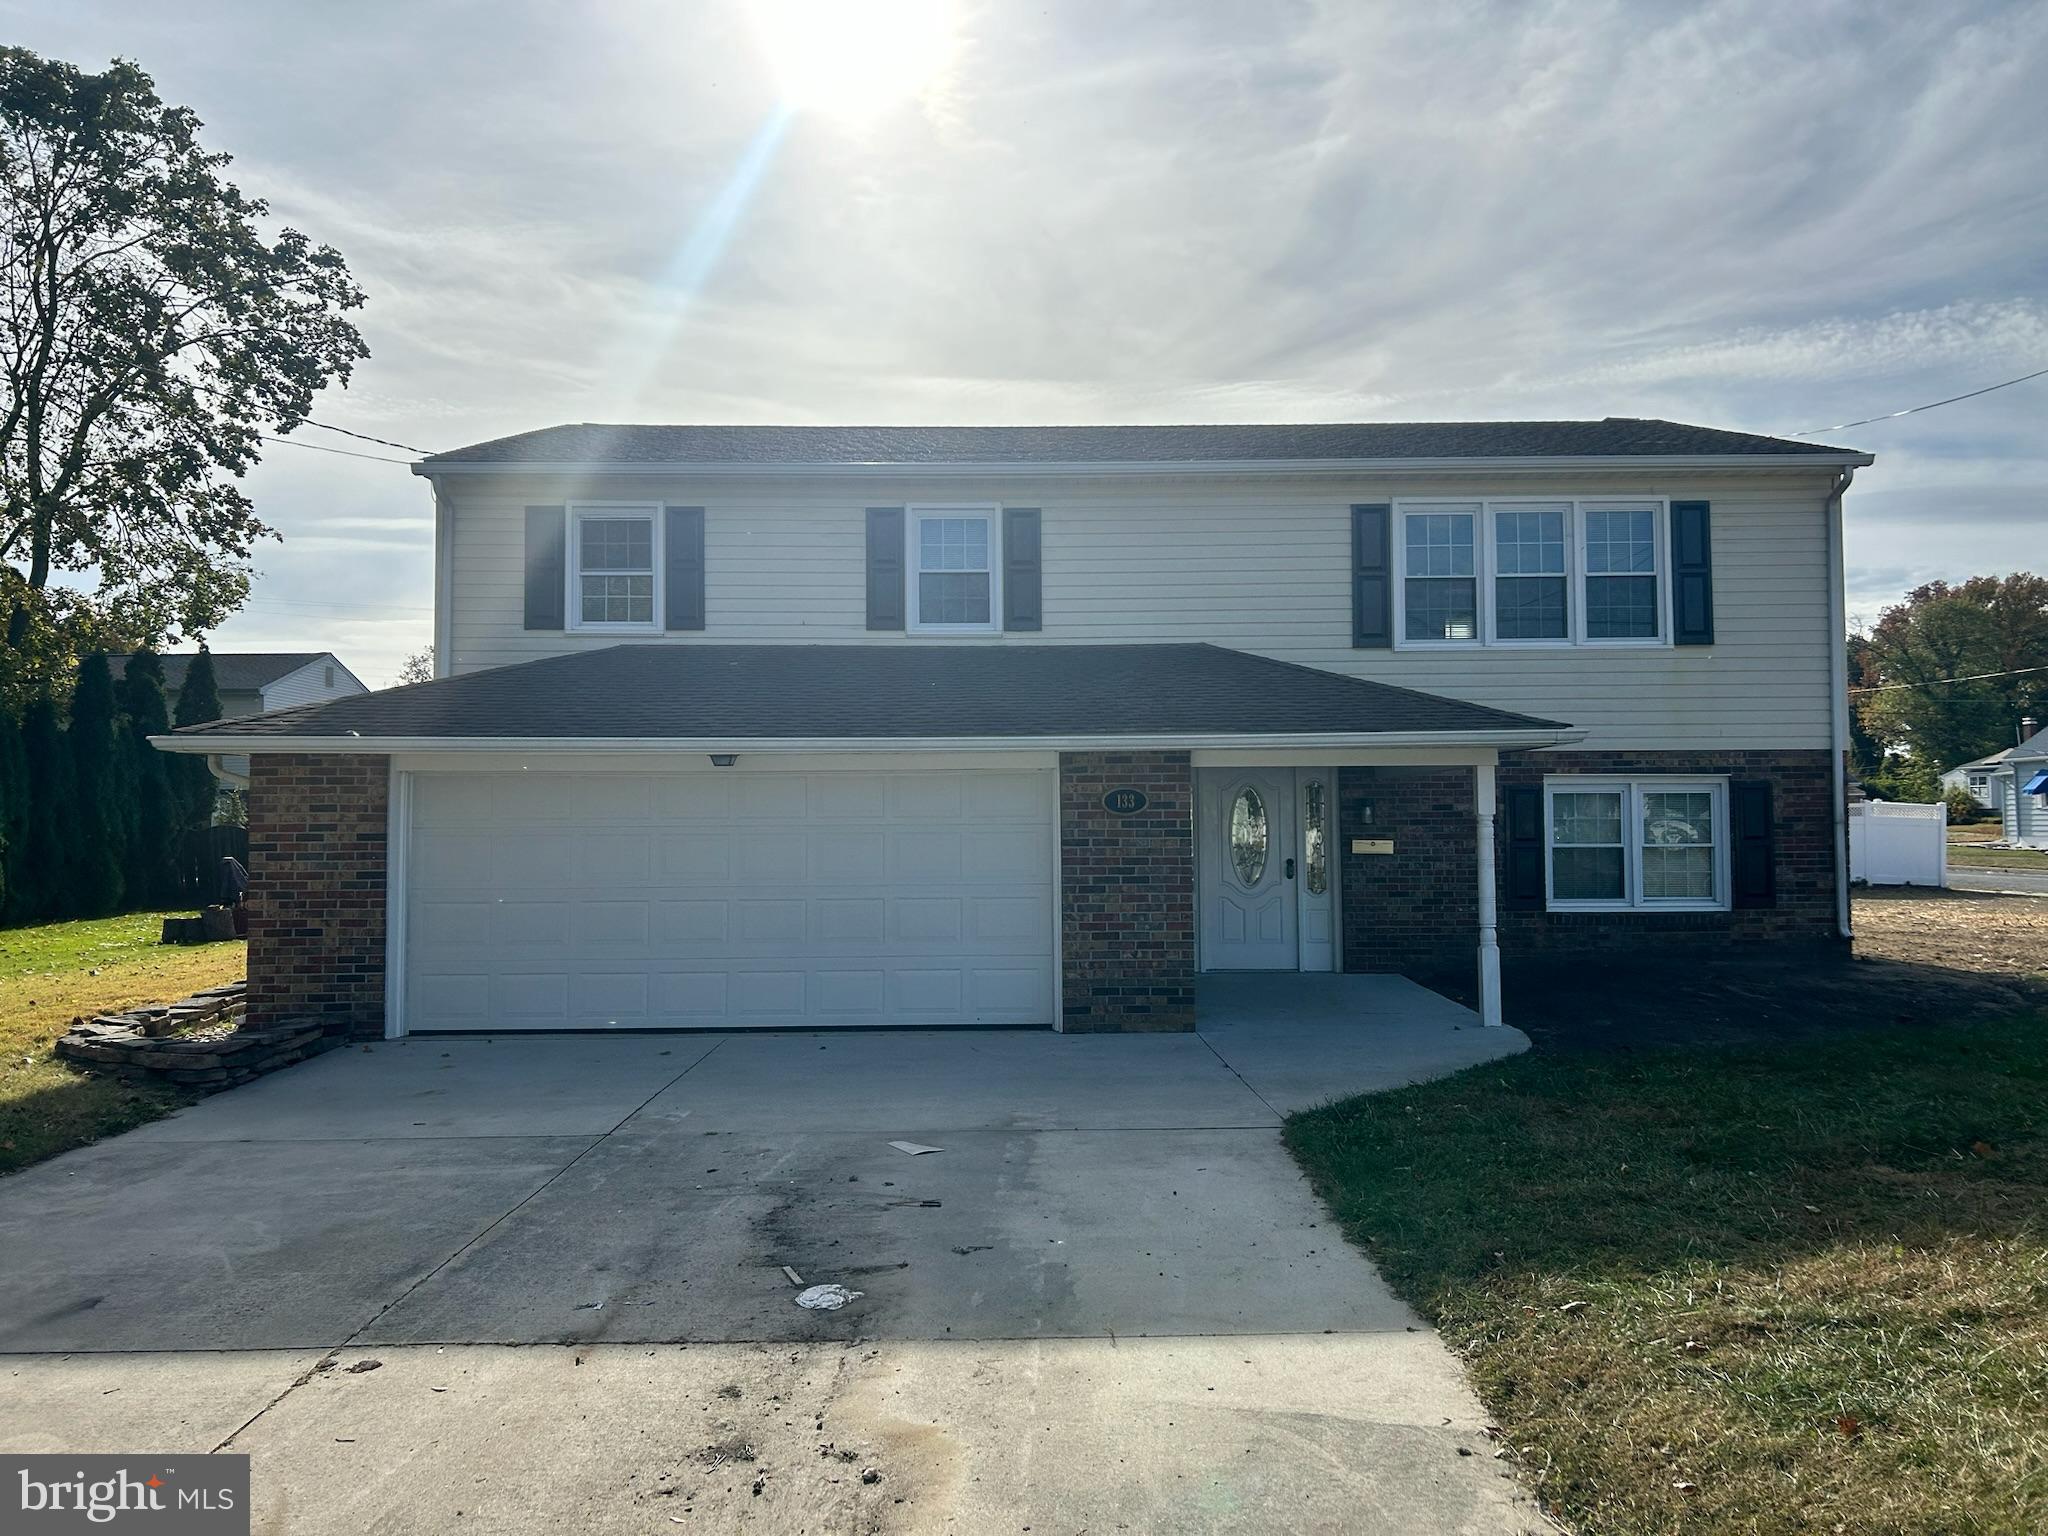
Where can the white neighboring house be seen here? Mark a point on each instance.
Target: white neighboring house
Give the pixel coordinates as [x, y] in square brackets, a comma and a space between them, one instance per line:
[1979, 777]
[256, 682]
[2021, 783]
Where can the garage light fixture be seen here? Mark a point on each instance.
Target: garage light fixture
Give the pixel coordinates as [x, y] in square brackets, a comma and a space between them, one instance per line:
[723, 759]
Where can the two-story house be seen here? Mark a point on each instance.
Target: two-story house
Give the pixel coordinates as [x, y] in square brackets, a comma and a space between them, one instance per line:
[808, 726]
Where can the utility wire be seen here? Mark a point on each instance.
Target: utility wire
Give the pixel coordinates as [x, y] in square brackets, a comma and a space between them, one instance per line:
[346, 453]
[365, 437]
[1912, 409]
[1943, 682]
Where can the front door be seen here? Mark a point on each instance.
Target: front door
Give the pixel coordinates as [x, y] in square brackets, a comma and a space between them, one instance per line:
[1248, 870]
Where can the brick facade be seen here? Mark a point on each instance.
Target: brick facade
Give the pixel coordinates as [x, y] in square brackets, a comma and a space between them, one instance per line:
[317, 835]
[1802, 810]
[1127, 893]
[1417, 909]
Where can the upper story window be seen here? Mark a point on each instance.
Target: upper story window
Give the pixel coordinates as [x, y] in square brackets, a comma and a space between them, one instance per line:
[612, 567]
[1531, 573]
[955, 576]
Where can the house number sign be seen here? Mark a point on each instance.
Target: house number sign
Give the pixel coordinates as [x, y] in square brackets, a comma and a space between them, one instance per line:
[1124, 801]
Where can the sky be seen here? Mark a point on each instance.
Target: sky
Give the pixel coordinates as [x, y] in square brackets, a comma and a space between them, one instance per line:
[1765, 216]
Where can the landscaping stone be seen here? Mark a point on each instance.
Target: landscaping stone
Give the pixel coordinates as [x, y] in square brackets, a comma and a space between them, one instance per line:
[201, 1043]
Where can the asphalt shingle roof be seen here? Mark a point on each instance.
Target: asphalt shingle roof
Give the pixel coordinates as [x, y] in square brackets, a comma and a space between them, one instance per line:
[766, 692]
[233, 671]
[1615, 437]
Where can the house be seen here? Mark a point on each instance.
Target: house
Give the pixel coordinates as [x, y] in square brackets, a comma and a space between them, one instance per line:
[2020, 783]
[251, 682]
[1979, 779]
[815, 726]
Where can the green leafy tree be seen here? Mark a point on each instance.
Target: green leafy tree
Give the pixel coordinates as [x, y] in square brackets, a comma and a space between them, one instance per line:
[151, 332]
[97, 857]
[1926, 659]
[152, 839]
[42, 882]
[14, 811]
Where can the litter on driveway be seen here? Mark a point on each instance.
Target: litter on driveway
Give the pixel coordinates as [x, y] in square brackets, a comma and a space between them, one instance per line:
[914, 1148]
[827, 1298]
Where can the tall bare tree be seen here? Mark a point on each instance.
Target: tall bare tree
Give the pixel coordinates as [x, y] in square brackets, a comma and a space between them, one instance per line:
[150, 334]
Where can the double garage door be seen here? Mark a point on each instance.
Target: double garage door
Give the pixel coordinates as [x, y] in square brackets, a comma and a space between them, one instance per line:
[728, 899]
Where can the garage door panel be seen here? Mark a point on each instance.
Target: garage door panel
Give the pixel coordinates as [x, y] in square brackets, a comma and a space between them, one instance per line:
[725, 899]
[611, 925]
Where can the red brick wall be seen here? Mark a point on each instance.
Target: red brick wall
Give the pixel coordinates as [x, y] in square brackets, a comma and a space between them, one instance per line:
[1127, 893]
[1416, 909]
[317, 832]
[1802, 806]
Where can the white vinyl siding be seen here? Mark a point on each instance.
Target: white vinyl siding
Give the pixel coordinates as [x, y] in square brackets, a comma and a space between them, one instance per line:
[1261, 566]
[310, 685]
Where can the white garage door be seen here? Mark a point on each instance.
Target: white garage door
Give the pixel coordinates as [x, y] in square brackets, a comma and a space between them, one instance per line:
[728, 899]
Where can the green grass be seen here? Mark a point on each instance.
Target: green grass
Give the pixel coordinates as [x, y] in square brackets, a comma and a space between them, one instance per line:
[55, 971]
[1807, 1285]
[1970, 856]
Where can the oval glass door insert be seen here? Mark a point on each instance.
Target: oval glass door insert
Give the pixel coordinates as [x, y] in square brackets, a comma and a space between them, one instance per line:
[1248, 835]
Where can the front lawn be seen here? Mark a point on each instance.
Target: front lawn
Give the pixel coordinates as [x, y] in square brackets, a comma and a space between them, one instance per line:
[1768, 1288]
[55, 971]
[1973, 856]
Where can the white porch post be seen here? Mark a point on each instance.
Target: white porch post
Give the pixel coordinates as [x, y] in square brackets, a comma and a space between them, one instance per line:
[1489, 939]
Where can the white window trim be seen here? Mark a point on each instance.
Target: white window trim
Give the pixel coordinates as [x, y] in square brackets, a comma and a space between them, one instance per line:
[572, 565]
[1484, 575]
[1632, 791]
[989, 512]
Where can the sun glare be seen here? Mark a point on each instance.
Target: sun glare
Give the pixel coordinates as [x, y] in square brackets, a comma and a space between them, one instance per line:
[854, 59]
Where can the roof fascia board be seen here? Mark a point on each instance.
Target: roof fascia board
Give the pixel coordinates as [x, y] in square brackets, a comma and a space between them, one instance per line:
[660, 746]
[1239, 468]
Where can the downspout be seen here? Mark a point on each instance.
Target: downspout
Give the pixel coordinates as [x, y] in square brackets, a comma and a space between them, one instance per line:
[216, 764]
[1838, 695]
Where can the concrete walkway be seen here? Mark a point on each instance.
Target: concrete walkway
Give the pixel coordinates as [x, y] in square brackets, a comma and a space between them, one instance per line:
[1110, 1298]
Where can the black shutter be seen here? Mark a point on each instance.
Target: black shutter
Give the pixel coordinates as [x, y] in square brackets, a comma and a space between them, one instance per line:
[683, 569]
[885, 568]
[1372, 584]
[1692, 573]
[1752, 836]
[547, 577]
[1524, 803]
[1023, 575]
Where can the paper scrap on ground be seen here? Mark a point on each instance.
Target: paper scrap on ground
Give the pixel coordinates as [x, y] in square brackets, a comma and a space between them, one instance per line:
[827, 1298]
[794, 1277]
[914, 1148]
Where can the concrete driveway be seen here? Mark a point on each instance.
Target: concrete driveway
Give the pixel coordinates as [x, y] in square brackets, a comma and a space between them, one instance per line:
[1109, 1297]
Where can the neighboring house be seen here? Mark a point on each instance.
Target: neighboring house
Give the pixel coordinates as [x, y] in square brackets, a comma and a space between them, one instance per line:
[1979, 778]
[2021, 783]
[800, 727]
[252, 682]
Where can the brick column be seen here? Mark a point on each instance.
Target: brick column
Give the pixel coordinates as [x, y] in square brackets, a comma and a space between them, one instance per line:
[1127, 893]
[317, 833]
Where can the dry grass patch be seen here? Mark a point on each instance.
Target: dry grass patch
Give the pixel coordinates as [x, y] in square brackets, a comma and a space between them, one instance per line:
[54, 972]
[1775, 1289]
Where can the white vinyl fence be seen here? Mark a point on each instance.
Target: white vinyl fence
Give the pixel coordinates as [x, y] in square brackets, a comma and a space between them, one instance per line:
[1894, 844]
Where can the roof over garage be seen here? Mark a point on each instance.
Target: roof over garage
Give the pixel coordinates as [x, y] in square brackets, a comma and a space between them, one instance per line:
[896, 694]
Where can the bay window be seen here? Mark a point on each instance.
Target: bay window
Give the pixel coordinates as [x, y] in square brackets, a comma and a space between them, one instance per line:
[1530, 572]
[1636, 843]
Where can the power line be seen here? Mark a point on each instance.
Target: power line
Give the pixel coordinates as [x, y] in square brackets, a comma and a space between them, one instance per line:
[365, 437]
[346, 453]
[1841, 426]
[1943, 682]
